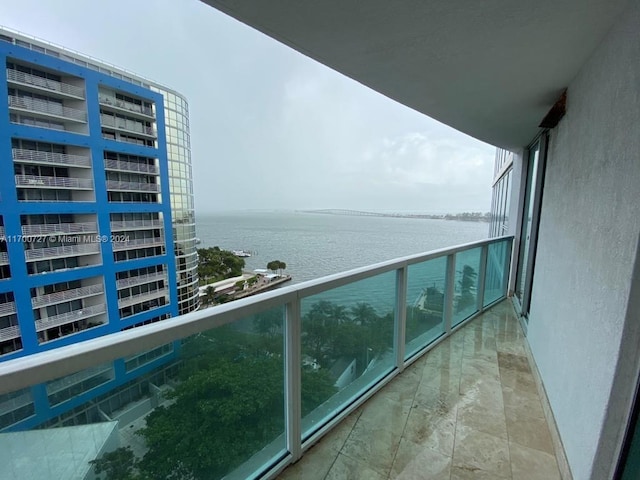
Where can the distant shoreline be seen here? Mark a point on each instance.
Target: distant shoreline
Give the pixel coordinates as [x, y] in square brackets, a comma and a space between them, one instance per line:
[463, 217]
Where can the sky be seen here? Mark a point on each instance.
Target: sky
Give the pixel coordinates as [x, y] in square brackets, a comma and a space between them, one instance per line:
[271, 128]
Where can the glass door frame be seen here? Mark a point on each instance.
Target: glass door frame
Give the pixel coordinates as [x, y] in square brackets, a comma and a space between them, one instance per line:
[526, 259]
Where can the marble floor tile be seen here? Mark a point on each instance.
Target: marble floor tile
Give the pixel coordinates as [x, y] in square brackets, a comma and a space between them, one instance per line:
[484, 418]
[476, 450]
[443, 379]
[347, 468]
[532, 432]
[509, 361]
[473, 473]
[530, 464]
[415, 462]
[314, 465]
[518, 381]
[431, 429]
[478, 368]
[374, 444]
[522, 402]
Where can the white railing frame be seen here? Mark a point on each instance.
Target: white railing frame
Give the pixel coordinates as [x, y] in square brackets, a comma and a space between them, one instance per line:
[36, 181]
[45, 83]
[48, 108]
[42, 367]
[36, 156]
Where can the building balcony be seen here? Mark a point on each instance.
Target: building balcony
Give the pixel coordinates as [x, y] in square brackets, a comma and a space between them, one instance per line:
[116, 185]
[141, 279]
[34, 254]
[9, 333]
[382, 367]
[71, 183]
[122, 166]
[143, 297]
[43, 107]
[120, 124]
[138, 243]
[15, 77]
[21, 155]
[59, 228]
[8, 308]
[136, 225]
[124, 106]
[69, 317]
[66, 295]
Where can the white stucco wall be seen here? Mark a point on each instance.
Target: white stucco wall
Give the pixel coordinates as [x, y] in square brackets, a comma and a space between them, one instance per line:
[588, 236]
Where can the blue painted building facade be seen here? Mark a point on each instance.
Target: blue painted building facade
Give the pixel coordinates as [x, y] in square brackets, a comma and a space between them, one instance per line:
[86, 240]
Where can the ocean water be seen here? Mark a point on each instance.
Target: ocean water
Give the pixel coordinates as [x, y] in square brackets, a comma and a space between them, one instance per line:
[315, 245]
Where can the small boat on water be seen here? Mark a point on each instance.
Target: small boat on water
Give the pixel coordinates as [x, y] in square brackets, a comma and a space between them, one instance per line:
[241, 253]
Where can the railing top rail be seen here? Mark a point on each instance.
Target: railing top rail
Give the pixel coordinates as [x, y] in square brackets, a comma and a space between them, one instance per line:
[41, 367]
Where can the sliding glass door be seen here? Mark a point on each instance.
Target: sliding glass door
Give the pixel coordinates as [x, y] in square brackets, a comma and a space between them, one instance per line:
[530, 219]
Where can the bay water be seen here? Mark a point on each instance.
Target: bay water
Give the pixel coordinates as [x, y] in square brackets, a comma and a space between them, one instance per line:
[314, 245]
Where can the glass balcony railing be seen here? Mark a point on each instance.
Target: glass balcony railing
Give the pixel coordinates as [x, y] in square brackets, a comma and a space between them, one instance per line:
[241, 390]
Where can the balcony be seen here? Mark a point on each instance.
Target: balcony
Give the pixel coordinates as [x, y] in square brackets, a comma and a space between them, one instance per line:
[143, 297]
[122, 105]
[46, 253]
[383, 366]
[52, 109]
[21, 155]
[141, 279]
[59, 228]
[116, 185]
[138, 243]
[40, 83]
[71, 183]
[121, 124]
[66, 295]
[122, 166]
[69, 317]
[8, 308]
[152, 223]
[9, 333]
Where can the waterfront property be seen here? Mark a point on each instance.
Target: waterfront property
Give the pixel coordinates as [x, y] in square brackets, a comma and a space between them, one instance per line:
[95, 238]
[555, 85]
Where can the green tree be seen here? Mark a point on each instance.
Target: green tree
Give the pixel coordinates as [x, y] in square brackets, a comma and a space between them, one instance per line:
[467, 284]
[119, 464]
[215, 264]
[276, 266]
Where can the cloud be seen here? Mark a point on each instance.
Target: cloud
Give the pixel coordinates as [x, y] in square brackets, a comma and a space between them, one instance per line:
[271, 128]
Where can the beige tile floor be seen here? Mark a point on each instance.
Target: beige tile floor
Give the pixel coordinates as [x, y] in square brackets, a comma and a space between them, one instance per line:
[468, 409]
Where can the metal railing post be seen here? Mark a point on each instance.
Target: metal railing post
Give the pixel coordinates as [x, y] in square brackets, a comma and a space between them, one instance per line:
[448, 293]
[400, 329]
[482, 277]
[293, 378]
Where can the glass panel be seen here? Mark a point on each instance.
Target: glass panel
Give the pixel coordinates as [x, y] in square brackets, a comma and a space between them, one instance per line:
[497, 272]
[347, 345]
[527, 220]
[465, 298]
[425, 304]
[211, 405]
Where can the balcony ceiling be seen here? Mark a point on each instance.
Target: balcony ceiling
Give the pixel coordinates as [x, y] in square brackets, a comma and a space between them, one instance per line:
[491, 69]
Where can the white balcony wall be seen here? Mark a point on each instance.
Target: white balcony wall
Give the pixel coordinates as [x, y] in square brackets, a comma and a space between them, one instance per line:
[583, 328]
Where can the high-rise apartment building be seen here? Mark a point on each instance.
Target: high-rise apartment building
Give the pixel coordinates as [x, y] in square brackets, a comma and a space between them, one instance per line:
[96, 201]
